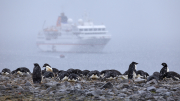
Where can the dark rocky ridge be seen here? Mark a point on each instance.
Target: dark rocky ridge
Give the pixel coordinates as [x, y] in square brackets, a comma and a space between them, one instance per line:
[21, 88]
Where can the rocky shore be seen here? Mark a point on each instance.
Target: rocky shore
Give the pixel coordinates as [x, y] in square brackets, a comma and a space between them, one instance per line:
[21, 88]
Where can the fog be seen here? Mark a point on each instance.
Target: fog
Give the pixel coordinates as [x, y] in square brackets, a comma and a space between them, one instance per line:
[148, 25]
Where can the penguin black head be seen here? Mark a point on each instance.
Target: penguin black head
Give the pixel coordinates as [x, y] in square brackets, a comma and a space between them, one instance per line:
[46, 65]
[134, 63]
[36, 64]
[6, 71]
[164, 64]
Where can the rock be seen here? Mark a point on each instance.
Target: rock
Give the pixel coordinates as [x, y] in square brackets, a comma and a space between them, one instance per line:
[170, 99]
[2, 87]
[125, 81]
[78, 86]
[125, 85]
[52, 84]
[141, 91]
[28, 83]
[139, 81]
[96, 92]
[161, 90]
[107, 85]
[152, 88]
[122, 95]
[152, 82]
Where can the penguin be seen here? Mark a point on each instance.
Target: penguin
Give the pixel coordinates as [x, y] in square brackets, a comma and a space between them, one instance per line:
[117, 73]
[171, 74]
[22, 70]
[48, 67]
[70, 70]
[94, 74]
[13, 72]
[6, 71]
[146, 74]
[48, 75]
[142, 74]
[78, 72]
[43, 71]
[63, 76]
[37, 76]
[73, 77]
[156, 75]
[85, 73]
[103, 72]
[110, 75]
[163, 71]
[132, 70]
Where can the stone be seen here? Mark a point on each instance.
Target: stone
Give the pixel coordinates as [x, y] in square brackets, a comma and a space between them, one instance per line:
[2, 87]
[153, 81]
[152, 88]
[122, 95]
[28, 83]
[139, 80]
[161, 90]
[107, 85]
[51, 84]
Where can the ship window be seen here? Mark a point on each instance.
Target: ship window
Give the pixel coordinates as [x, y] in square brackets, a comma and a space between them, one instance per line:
[103, 29]
[90, 29]
[95, 29]
[80, 29]
[99, 29]
[85, 29]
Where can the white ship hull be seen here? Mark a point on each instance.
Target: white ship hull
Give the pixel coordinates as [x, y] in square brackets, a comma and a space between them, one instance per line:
[73, 45]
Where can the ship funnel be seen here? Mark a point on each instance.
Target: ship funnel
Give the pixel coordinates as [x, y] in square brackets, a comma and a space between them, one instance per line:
[58, 21]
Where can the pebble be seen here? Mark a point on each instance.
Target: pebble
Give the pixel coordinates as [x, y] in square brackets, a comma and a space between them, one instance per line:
[120, 89]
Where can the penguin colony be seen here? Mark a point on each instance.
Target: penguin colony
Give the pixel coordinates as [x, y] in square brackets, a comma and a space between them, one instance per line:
[73, 75]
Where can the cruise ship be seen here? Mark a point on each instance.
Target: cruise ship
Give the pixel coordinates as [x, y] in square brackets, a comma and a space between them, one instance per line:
[67, 36]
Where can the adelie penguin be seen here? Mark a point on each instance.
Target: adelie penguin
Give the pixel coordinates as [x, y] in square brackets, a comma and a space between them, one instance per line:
[164, 70]
[50, 69]
[85, 73]
[170, 74]
[132, 70]
[6, 71]
[48, 75]
[22, 70]
[37, 76]
[73, 77]
[94, 74]
[63, 76]
[110, 75]
[142, 74]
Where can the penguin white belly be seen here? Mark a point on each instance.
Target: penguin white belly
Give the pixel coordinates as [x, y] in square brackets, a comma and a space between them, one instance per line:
[167, 69]
[134, 74]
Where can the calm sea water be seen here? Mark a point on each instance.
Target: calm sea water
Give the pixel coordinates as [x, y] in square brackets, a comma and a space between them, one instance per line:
[149, 59]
